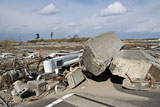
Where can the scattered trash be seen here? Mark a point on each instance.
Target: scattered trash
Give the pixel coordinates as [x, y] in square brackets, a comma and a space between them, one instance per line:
[28, 83]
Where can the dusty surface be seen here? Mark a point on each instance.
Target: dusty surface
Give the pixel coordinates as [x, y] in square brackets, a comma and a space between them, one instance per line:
[105, 92]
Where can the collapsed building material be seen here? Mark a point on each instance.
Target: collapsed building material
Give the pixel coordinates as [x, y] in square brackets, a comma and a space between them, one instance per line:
[75, 77]
[9, 77]
[51, 85]
[38, 62]
[141, 85]
[48, 66]
[33, 55]
[3, 83]
[2, 100]
[53, 55]
[135, 64]
[22, 89]
[37, 86]
[7, 55]
[45, 75]
[54, 65]
[58, 62]
[98, 52]
[15, 96]
[15, 75]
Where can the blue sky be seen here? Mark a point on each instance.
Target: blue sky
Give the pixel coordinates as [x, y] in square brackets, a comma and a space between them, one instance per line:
[22, 19]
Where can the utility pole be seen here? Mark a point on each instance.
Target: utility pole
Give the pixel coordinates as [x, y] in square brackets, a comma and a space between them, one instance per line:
[51, 35]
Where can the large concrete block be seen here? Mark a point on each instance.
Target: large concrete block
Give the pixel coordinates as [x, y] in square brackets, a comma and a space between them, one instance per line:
[98, 52]
[136, 65]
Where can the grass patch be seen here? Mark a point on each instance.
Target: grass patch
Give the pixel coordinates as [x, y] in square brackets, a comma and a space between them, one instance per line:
[82, 40]
[76, 48]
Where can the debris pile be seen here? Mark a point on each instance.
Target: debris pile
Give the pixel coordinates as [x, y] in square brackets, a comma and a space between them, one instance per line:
[29, 78]
[26, 83]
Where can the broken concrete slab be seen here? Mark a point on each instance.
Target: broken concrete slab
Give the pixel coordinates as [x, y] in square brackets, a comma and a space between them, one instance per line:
[51, 85]
[99, 51]
[135, 64]
[75, 77]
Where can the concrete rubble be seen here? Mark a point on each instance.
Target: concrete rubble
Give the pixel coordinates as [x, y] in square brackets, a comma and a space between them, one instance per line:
[39, 87]
[75, 77]
[22, 89]
[99, 51]
[106, 50]
[136, 65]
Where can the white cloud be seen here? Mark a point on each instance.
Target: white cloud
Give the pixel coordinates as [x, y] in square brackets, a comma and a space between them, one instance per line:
[77, 31]
[72, 24]
[148, 26]
[50, 9]
[56, 28]
[137, 29]
[113, 9]
[144, 29]
[156, 30]
[98, 27]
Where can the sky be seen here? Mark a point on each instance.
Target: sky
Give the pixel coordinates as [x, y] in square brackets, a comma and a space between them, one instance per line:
[23, 19]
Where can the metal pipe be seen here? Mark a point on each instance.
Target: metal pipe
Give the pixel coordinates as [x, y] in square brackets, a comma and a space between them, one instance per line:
[39, 76]
[64, 64]
[1, 99]
[66, 60]
[70, 62]
[54, 54]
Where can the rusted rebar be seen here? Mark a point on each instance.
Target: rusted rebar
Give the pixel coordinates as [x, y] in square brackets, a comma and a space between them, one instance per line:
[129, 78]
